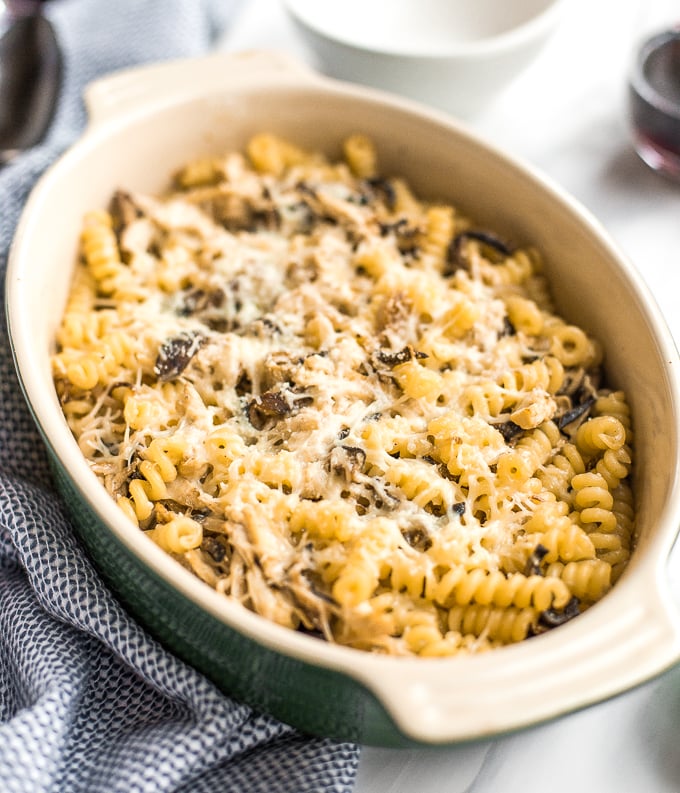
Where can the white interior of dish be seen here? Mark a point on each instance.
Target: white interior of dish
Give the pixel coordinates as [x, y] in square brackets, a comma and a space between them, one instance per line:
[419, 27]
[633, 633]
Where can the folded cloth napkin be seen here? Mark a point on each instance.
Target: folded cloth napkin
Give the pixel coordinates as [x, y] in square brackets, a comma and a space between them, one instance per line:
[88, 701]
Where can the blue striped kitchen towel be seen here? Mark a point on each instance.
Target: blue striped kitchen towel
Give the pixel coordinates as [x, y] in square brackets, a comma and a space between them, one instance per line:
[88, 701]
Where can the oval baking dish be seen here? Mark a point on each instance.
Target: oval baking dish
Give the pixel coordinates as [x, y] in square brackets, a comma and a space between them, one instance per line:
[147, 122]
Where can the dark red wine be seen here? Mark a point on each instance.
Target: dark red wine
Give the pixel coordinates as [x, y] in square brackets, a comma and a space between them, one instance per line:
[654, 99]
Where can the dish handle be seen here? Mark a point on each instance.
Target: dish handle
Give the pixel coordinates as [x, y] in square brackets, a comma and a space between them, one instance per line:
[143, 88]
[624, 641]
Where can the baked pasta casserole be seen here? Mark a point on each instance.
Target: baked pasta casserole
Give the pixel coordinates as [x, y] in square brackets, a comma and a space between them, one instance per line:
[350, 409]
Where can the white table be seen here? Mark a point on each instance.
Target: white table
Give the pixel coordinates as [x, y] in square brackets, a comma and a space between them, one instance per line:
[567, 115]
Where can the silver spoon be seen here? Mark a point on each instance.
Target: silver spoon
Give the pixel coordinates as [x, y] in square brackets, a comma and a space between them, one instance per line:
[30, 76]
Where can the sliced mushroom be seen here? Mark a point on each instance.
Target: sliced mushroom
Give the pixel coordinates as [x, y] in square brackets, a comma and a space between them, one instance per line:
[456, 257]
[175, 354]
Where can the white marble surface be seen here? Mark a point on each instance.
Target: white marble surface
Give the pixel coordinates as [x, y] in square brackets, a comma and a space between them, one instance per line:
[566, 115]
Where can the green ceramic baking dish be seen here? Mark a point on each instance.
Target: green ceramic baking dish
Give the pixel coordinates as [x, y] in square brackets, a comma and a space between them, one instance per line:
[146, 122]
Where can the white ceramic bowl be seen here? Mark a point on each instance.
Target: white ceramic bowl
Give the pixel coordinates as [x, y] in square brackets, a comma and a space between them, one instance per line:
[147, 122]
[454, 54]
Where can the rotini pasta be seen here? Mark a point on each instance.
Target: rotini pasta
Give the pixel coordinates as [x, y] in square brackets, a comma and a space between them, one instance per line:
[344, 405]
